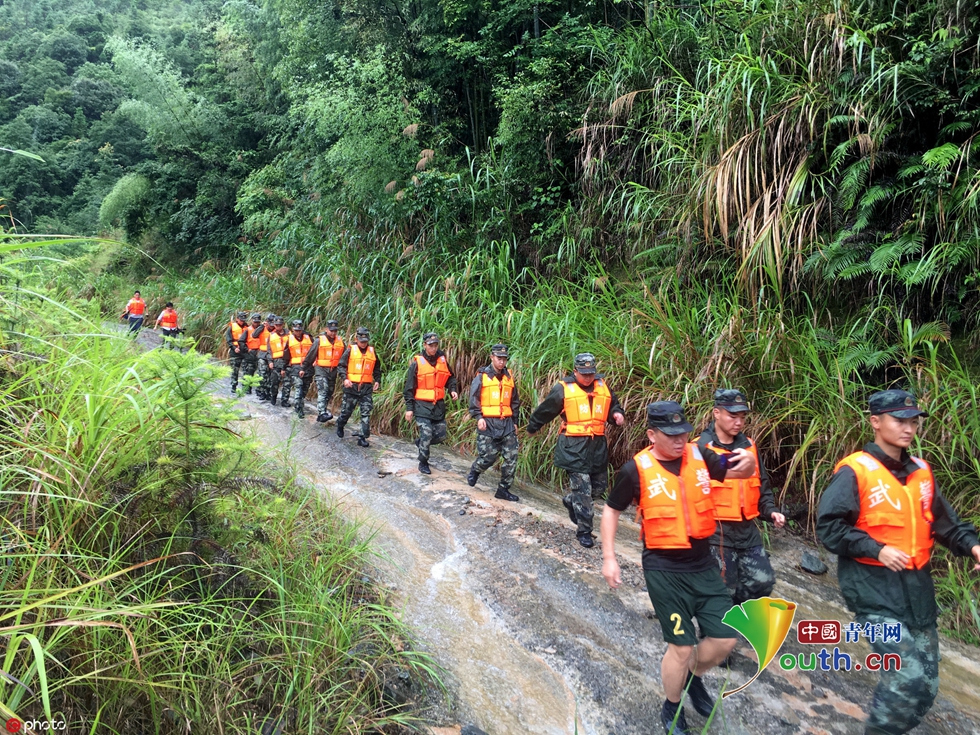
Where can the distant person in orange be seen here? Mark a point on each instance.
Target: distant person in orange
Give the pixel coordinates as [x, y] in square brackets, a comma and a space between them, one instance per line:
[135, 310]
[167, 321]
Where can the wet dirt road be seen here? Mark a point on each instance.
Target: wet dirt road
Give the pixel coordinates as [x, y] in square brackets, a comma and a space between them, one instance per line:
[532, 639]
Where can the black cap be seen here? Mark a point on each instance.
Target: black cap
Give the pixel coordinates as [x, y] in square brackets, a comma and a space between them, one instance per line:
[668, 417]
[585, 363]
[279, 320]
[731, 399]
[271, 318]
[499, 350]
[332, 324]
[899, 403]
[296, 324]
[256, 317]
[430, 338]
[243, 315]
[363, 332]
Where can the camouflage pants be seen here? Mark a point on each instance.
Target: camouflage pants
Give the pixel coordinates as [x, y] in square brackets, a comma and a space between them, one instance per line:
[262, 370]
[276, 380]
[430, 432]
[250, 364]
[489, 450]
[326, 381]
[365, 402]
[747, 572]
[299, 387]
[585, 488]
[905, 695]
[236, 360]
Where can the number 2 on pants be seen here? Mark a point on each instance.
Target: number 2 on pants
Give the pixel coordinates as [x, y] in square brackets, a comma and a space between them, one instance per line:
[676, 618]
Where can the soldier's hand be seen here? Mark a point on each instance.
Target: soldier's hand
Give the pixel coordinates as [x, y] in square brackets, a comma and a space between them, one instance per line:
[347, 383]
[778, 520]
[377, 386]
[408, 415]
[744, 461]
[610, 572]
[454, 395]
[976, 555]
[302, 373]
[618, 418]
[481, 424]
[893, 558]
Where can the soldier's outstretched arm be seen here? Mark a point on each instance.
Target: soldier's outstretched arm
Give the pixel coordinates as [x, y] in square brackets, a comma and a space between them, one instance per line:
[548, 410]
[476, 408]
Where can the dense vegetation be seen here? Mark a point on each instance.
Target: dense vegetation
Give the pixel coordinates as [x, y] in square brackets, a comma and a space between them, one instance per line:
[160, 574]
[776, 195]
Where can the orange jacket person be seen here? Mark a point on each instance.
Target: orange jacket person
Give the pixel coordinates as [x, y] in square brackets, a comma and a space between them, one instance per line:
[167, 321]
[135, 311]
[359, 370]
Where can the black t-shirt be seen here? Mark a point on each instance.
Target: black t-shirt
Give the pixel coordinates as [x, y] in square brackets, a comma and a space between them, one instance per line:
[626, 491]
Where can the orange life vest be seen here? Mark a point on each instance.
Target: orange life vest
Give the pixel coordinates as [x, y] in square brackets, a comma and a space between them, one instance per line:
[298, 348]
[136, 307]
[674, 509]
[254, 343]
[277, 345]
[327, 354]
[168, 319]
[892, 513]
[581, 418]
[360, 365]
[495, 397]
[431, 379]
[737, 498]
[236, 331]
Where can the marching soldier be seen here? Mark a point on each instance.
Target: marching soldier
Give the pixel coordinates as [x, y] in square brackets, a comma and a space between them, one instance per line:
[135, 310]
[880, 515]
[298, 345]
[324, 356]
[586, 405]
[737, 544]
[360, 371]
[167, 321]
[277, 362]
[262, 355]
[429, 377]
[236, 336]
[494, 404]
[671, 482]
[253, 342]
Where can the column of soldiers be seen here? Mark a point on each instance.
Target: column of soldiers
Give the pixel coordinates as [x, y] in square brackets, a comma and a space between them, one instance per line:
[698, 502]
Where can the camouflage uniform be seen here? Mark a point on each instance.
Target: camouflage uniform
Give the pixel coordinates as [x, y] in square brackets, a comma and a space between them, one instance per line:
[878, 594]
[262, 369]
[300, 387]
[903, 696]
[275, 376]
[251, 361]
[326, 384]
[585, 458]
[357, 396]
[737, 545]
[489, 449]
[430, 416]
[237, 359]
[499, 439]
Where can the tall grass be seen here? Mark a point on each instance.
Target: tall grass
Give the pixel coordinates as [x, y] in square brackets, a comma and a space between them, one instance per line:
[153, 580]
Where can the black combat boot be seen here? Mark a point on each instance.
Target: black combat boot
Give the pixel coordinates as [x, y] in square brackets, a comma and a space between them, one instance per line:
[340, 430]
[667, 715]
[586, 540]
[362, 442]
[472, 478]
[424, 467]
[502, 494]
[285, 403]
[321, 418]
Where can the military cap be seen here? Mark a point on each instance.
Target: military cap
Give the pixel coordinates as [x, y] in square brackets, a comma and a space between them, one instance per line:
[899, 403]
[243, 315]
[363, 332]
[256, 317]
[279, 320]
[332, 324]
[430, 338]
[731, 399]
[585, 363]
[499, 350]
[271, 318]
[668, 417]
[296, 324]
